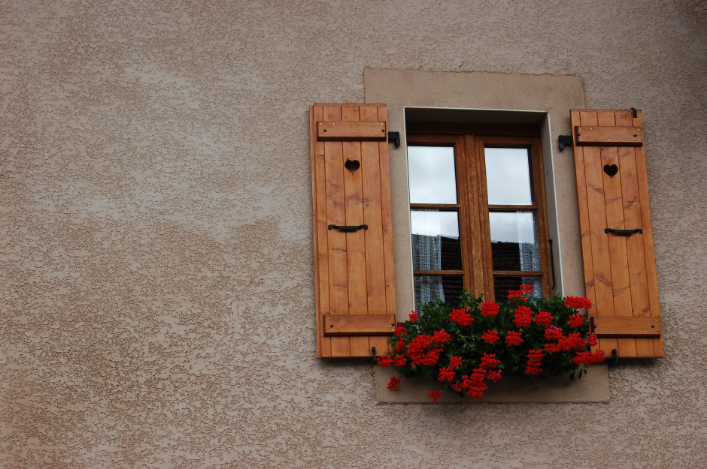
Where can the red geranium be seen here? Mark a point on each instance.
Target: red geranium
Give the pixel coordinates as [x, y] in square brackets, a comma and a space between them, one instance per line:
[461, 317]
[394, 383]
[490, 337]
[434, 395]
[543, 318]
[513, 338]
[489, 309]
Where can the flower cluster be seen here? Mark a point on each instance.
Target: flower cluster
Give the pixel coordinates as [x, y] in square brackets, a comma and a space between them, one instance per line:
[576, 320]
[535, 359]
[513, 338]
[523, 316]
[394, 383]
[490, 337]
[461, 317]
[577, 302]
[522, 293]
[543, 318]
[467, 348]
[489, 309]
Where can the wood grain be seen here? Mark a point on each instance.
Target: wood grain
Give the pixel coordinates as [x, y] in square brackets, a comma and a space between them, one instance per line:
[349, 130]
[608, 135]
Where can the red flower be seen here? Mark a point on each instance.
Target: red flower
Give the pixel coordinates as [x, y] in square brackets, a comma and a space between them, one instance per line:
[513, 338]
[475, 383]
[589, 357]
[553, 333]
[399, 361]
[523, 316]
[434, 395]
[384, 360]
[576, 320]
[394, 383]
[489, 360]
[577, 302]
[490, 337]
[455, 361]
[524, 289]
[489, 309]
[446, 374]
[400, 331]
[461, 317]
[572, 342]
[543, 318]
[551, 348]
[425, 350]
[535, 359]
[414, 316]
[399, 346]
[591, 339]
[441, 337]
[457, 386]
[494, 375]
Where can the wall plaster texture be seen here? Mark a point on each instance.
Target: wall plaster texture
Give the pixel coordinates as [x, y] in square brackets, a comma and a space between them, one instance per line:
[156, 272]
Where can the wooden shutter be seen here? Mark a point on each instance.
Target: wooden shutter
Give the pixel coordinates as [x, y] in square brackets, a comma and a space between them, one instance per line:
[619, 266]
[355, 289]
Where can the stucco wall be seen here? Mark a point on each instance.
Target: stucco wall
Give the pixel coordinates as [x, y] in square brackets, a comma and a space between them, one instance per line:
[156, 268]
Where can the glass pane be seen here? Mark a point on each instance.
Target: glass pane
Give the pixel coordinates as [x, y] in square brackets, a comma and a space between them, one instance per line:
[502, 285]
[514, 241]
[432, 177]
[508, 176]
[447, 289]
[435, 240]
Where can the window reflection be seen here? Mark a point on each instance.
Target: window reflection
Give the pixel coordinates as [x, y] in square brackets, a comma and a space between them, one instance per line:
[508, 176]
[514, 241]
[435, 240]
[432, 176]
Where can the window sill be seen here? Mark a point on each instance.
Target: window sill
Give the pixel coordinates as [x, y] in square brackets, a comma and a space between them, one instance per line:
[594, 387]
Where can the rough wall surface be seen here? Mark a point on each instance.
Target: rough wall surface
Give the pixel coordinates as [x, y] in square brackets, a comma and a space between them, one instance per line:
[156, 304]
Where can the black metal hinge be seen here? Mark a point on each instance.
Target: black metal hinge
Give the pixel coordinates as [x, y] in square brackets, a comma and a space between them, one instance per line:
[563, 140]
[394, 137]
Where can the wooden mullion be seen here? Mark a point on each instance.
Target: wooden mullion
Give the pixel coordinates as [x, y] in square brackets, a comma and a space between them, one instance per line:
[518, 273]
[444, 207]
[442, 273]
[484, 216]
[476, 244]
[513, 208]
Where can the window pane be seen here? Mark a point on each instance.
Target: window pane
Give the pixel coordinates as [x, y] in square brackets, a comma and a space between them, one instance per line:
[508, 176]
[435, 240]
[447, 289]
[502, 285]
[432, 176]
[514, 241]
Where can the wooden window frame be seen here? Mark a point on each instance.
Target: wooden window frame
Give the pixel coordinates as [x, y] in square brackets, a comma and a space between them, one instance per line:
[472, 199]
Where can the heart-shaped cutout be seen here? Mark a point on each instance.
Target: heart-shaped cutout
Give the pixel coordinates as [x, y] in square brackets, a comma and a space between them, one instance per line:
[611, 169]
[352, 165]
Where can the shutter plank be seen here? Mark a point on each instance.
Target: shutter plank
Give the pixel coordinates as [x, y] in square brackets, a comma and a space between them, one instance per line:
[355, 243]
[336, 215]
[617, 244]
[649, 249]
[321, 255]
[375, 276]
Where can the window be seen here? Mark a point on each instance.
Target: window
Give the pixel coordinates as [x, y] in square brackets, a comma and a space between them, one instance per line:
[477, 212]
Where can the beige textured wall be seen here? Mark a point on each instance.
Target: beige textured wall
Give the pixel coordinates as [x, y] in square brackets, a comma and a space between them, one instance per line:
[156, 298]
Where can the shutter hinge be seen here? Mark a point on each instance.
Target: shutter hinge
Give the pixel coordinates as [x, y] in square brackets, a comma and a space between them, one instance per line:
[373, 354]
[563, 140]
[394, 137]
[635, 112]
